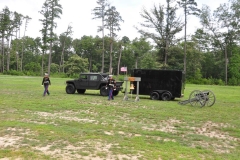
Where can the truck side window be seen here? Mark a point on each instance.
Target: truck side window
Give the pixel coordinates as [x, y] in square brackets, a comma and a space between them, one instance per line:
[83, 77]
[93, 78]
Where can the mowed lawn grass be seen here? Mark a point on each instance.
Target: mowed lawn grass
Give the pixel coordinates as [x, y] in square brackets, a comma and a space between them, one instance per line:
[88, 126]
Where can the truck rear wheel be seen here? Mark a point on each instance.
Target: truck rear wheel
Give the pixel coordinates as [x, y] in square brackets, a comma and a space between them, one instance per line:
[154, 96]
[104, 91]
[166, 96]
[81, 91]
[172, 98]
[70, 89]
[115, 92]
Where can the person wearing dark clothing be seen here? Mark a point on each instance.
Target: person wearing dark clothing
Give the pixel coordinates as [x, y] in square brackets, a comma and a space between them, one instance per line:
[46, 82]
[111, 85]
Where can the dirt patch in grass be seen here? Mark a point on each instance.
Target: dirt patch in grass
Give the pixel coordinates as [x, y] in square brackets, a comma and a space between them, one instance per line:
[224, 142]
[86, 150]
[68, 116]
[164, 126]
[83, 150]
[9, 141]
[96, 150]
[211, 130]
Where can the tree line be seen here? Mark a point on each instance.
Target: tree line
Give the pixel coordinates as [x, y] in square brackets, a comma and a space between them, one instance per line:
[210, 55]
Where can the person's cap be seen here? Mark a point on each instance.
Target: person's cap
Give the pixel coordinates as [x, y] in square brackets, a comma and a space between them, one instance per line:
[110, 75]
[46, 74]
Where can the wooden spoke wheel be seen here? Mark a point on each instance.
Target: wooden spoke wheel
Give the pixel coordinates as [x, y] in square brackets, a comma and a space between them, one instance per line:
[210, 98]
[197, 98]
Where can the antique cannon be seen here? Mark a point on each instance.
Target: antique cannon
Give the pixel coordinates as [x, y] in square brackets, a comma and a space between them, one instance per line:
[200, 98]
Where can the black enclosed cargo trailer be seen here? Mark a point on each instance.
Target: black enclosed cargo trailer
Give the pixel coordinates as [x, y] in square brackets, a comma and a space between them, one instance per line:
[160, 84]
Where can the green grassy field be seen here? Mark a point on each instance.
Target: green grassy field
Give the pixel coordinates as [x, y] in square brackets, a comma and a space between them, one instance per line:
[63, 126]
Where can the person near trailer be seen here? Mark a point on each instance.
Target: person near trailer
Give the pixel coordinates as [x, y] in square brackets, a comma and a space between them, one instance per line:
[111, 86]
[46, 82]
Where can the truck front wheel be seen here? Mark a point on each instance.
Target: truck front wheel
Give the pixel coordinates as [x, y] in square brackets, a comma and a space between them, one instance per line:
[70, 89]
[104, 91]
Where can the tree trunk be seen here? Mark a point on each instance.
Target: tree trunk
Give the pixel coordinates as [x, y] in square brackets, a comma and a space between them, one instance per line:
[3, 53]
[50, 58]
[63, 50]
[226, 66]
[8, 54]
[103, 50]
[42, 61]
[110, 56]
[23, 43]
[51, 44]
[166, 52]
[17, 52]
[1, 61]
[119, 59]
[90, 64]
[185, 39]
[136, 63]
[62, 57]
[22, 54]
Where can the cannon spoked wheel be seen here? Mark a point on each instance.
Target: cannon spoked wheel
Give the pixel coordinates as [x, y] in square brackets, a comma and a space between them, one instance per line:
[210, 98]
[197, 98]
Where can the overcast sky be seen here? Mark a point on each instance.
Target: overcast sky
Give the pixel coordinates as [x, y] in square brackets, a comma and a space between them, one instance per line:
[78, 13]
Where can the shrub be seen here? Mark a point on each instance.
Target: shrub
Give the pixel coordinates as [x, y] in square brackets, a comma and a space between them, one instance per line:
[13, 72]
[54, 68]
[205, 81]
[32, 67]
[233, 81]
[120, 77]
[219, 82]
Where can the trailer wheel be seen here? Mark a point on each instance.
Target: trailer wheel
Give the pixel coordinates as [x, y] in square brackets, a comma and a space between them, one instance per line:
[154, 96]
[70, 89]
[166, 96]
[81, 91]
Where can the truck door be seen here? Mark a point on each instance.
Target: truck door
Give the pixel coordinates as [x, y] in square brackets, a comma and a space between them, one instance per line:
[93, 82]
[82, 82]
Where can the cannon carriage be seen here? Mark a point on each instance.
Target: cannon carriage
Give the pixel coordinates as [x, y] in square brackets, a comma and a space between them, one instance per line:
[200, 98]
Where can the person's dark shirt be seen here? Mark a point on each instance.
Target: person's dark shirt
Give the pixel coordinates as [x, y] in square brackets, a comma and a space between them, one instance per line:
[111, 83]
[46, 81]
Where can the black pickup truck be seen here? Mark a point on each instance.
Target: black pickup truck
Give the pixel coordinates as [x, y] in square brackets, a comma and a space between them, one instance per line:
[92, 81]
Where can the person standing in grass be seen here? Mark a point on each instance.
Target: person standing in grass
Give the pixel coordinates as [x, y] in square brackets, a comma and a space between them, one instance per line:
[46, 82]
[111, 85]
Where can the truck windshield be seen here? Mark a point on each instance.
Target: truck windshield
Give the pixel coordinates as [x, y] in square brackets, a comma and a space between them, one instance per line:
[104, 77]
